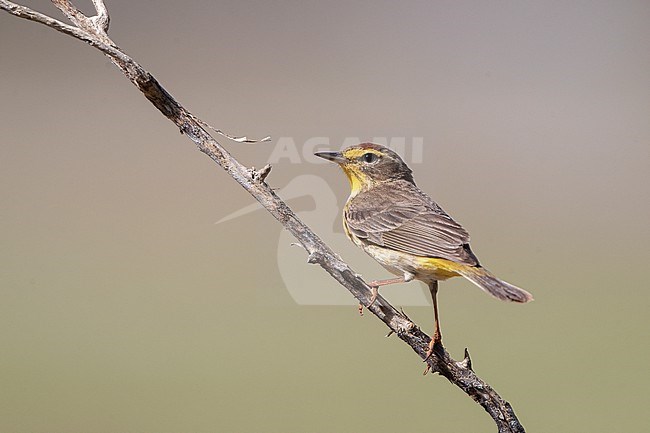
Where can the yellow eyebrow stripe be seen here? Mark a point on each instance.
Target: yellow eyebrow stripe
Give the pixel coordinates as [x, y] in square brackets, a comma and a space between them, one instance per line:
[357, 152]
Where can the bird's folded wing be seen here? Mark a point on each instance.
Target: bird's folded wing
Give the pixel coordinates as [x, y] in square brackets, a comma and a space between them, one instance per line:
[419, 228]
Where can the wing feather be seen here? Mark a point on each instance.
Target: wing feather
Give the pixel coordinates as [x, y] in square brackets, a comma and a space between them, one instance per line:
[403, 218]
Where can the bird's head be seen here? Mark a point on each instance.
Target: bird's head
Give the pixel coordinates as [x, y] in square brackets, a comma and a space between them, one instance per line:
[369, 164]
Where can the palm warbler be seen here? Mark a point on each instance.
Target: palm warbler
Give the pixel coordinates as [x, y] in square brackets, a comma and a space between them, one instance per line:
[403, 229]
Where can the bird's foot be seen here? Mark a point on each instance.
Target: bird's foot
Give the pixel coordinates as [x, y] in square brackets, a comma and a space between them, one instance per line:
[373, 298]
[437, 338]
[375, 293]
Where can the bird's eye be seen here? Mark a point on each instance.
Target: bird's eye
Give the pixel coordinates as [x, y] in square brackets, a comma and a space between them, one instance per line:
[369, 157]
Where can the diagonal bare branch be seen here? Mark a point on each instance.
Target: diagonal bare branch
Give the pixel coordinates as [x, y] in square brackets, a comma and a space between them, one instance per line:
[93, 25]
[102, 19]
[93, 32]
[32, 15]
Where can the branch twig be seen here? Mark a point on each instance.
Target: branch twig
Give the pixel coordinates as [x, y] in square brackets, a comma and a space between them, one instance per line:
[93, 31]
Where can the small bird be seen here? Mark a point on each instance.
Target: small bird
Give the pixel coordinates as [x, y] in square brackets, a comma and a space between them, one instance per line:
[402, 228]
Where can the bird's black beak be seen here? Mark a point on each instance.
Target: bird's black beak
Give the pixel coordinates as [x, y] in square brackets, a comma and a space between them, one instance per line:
[331, 156]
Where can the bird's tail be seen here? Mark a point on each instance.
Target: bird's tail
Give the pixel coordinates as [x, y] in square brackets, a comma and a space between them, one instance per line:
[494, 286]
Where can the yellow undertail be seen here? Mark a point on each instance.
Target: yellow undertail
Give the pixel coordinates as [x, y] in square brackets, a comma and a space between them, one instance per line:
[442, 269]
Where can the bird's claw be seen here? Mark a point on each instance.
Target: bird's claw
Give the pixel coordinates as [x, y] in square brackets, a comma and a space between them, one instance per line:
[373, 298]
[437, 338]
[375, 293]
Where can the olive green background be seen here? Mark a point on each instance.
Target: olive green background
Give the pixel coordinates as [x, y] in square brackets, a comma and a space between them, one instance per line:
[125, 308]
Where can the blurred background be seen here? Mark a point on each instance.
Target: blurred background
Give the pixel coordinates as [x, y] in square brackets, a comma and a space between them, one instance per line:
[124, 307]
